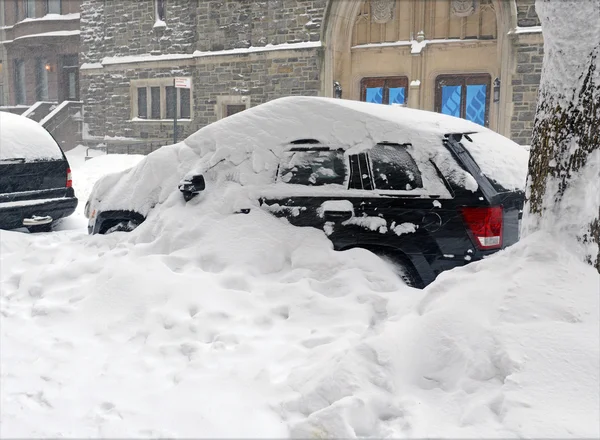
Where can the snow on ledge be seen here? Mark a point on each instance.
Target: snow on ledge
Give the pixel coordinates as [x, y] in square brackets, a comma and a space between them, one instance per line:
[51, 17]
[129, 59]
[416, 46]
[49, 34]
[526, 30]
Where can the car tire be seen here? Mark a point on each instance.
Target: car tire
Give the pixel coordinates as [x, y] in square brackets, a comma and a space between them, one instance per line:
[40, 228]
[402, 268]
[119, 226]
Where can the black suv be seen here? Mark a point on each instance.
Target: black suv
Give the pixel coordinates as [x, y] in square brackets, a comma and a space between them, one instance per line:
[426, 191]
[422, 234]
[35, 179]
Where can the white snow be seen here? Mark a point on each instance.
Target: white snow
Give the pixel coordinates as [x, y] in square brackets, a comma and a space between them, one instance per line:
[203, 323]
[336, 206]
[128, 59]
[500, 159]
[23, 138]
[49, 34]
[526, 30]
[252, 159]
[404, 228]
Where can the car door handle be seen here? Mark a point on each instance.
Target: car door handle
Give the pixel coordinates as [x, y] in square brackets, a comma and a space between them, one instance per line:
[337, 216]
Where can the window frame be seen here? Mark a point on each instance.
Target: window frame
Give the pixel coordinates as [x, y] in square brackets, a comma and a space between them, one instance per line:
[315, 149]
[41, 79]
[162, 84]
[160, 10]
[27, 8]
[49, 2]
[386, 82]
[464, 80]
[20, 86]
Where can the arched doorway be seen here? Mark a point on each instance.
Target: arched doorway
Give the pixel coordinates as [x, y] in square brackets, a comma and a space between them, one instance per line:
[441, 55]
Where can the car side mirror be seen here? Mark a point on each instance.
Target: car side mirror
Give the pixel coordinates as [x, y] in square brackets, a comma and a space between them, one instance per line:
[192, 186]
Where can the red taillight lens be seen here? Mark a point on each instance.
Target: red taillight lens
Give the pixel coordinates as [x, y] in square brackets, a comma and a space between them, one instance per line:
[69, 178]
[486, 225]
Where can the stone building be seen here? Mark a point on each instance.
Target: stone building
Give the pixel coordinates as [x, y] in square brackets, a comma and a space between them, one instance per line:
[39, 64]
[478, 59]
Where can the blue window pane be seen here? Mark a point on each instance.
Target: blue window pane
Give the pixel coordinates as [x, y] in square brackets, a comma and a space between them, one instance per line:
[375, 95]
[397, 95]
[476, 97]
[451, 100]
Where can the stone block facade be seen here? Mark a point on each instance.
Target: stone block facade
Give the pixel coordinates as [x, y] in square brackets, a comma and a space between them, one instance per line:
[129, 29]
[526, 15]
[525, 86]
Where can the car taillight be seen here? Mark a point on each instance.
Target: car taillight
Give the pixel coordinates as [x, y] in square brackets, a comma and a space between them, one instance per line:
[486, 225]
[69, 178]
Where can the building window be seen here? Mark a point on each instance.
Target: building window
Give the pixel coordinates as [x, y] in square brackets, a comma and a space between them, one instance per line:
[20, 97]
[232, 109]
[160, 10]
[230, 105]
[53, 6]
[41, 80]
[29, 8]
[464, 96]
[390, 90]
[155, 100]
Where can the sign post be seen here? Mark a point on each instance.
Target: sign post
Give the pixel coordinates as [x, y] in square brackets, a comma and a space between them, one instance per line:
[178, 83]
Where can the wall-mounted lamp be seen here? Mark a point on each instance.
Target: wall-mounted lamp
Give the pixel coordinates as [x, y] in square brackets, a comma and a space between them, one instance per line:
[497, 90]
[337, 90]
[48, 67]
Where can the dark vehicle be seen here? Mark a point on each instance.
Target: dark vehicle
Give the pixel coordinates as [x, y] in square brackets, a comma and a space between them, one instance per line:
[430, 197]
[423, 234]
[35, 179]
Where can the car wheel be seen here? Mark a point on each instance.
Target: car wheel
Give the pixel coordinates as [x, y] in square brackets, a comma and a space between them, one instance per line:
[402, 268]
[119, 226]
[40, 228]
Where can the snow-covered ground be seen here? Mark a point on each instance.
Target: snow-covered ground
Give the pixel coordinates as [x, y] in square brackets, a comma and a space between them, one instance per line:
[205, 324]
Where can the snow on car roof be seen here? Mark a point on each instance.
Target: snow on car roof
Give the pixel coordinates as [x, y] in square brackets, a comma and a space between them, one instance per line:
[23, 138]
[247, 147]
[355, 125]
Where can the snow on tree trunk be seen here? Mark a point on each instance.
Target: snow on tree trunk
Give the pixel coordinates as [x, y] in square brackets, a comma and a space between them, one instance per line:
[563, 185]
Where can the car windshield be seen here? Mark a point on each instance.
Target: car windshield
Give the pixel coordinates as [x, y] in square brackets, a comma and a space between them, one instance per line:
[313, 168]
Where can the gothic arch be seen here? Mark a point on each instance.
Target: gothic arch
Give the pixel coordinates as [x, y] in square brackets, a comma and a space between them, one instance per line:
[337, 39]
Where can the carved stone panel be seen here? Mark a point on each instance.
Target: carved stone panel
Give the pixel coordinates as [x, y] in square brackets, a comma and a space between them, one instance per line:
[382, 11]
[463, 8]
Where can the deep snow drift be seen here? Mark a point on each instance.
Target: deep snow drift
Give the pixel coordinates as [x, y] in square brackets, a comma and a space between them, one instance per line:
[203, 323]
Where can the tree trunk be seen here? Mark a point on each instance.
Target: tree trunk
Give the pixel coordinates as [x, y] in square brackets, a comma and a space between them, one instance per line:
[563, 185]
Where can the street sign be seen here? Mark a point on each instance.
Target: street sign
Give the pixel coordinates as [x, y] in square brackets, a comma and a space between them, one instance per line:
[183, 83]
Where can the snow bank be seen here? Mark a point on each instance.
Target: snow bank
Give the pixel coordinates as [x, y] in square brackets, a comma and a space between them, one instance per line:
[23, 138]
[204, 323]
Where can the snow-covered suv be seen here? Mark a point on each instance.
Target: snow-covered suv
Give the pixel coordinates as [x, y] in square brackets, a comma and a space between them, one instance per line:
[428, 191]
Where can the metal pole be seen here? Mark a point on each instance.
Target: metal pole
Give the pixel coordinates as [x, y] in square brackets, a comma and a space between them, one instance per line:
[174, 113]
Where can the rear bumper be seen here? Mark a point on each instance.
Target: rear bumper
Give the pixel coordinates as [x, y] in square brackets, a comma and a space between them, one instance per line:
[13, 213]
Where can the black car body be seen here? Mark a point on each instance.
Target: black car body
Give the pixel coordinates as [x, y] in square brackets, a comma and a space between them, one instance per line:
[415, 195]
[35, 178]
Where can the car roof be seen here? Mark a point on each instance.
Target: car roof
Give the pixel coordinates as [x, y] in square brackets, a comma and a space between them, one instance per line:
[23, 138]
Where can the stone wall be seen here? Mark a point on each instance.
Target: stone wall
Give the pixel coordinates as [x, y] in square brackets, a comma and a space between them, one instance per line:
[525, 86]
[127, 28]
[526, 15]
[259, 77]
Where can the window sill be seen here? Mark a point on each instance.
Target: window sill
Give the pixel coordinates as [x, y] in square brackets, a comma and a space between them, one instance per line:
[159, 121]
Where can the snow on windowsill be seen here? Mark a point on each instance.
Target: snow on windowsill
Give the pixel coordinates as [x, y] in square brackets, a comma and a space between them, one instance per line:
[52, 17]
[160, 24]
[526, 30]
[158, 120]
[47, 34]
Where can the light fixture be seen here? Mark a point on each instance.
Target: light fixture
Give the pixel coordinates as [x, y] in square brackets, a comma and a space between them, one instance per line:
[48, 67]
[337, 90]
[497, 90]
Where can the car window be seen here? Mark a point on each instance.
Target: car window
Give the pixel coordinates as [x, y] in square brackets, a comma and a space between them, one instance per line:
[313, 168]
[394, 168]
